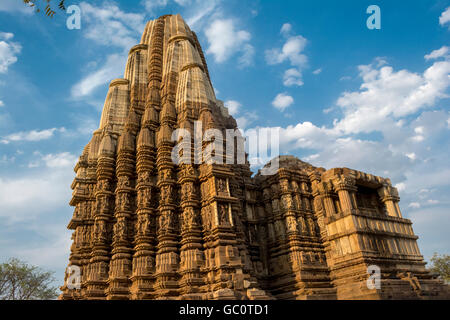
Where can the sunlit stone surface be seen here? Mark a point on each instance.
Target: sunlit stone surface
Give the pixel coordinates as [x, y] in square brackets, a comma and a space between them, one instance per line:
[146, 228]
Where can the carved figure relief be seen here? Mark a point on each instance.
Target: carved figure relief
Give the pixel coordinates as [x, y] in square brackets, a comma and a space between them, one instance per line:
[144, 177]
[166, 193]
[224, 217]
[242, 226]
[291, 224]
[222, 186]
[207, 218]
[165, 222]
[187, 190]
[124, 182]
[120, 229]
[143, 225]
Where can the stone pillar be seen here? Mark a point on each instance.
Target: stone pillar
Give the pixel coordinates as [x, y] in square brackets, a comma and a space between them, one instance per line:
[98, 269]
[167, 257]
[345, 186]
[144, 258]
[325, 189]
[191, 252]
[144, 250]
[121, 261]
[319, 203]
[389, 196]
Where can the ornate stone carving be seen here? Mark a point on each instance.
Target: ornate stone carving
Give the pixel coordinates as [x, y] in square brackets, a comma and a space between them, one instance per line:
[252, 229]
[224, 215]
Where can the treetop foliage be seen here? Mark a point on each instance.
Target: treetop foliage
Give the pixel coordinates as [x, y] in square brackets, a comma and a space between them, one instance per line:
[48, 8]
[20, 281]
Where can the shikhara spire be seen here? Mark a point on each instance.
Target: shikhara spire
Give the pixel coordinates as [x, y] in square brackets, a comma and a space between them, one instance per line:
[147, 228]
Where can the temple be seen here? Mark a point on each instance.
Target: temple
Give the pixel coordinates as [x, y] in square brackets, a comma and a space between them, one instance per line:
[145, 227]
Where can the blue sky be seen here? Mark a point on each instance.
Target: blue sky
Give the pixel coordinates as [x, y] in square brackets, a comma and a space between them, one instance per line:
[341, 94]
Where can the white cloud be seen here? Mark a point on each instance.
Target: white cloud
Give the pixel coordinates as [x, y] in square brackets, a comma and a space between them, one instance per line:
[246, 119]
[445, 17]
[34, 212]
[411, 155]
[225, 41]
[401, 186]
[439, 53]
[2, 104]
[110, 26]
[317, 71]
[414, 205]
[33, 135]
[282, 101]
[246, 59]
[233, 106]
[292, 77]
[152, 5]
[183, 2]
[386, 94]
[50, 252]
[292, 51]
[53, 160]
[8, 51]
[199, 11]
[112, 68]
[286, 29]
[44, 191]
[13, 6]
[60, 160]
[107, 25]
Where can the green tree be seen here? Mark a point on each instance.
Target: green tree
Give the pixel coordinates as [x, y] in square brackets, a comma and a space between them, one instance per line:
[441, 266]
[20, 281]
[48, 7]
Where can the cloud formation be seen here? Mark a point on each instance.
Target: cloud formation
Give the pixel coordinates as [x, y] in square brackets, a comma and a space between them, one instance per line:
[111, 69]
[32, 135]
[32, 188]
[8, 51]
[292, 52]
[445, 17]
[233, 106]
[386, 94]
[225, 40]
[14, 6]
[391, 126]
[443, 52]
[282, 101]
[107, 25]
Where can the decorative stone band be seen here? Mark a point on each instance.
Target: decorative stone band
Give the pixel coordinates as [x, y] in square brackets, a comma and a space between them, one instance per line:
[181, 37]
[118, 82]
[192, 65]
[138, 47]
[390, 198]
[344, 183]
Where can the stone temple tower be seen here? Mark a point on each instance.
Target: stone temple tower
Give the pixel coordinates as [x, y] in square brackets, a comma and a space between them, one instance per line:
[145, 227]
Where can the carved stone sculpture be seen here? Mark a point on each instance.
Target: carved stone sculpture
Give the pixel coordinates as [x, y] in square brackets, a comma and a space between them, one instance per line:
[198, 238]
